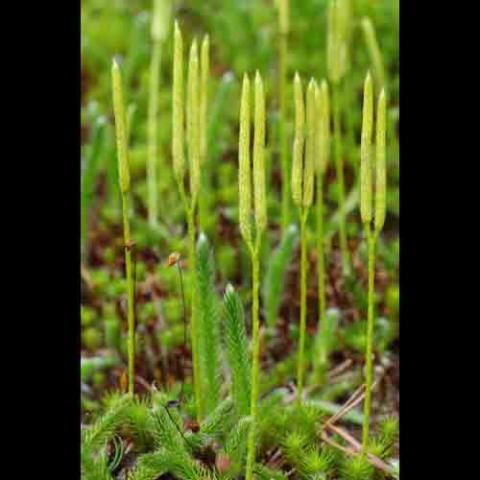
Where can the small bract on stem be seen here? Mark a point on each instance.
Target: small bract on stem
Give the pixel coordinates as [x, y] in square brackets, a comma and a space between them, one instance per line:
[366, 216]
[260, 214]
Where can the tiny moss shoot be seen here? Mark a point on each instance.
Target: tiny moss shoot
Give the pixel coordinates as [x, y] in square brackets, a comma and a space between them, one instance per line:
[124, 182]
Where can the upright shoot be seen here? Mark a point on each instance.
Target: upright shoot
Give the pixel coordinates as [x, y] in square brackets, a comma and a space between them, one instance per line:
[260, 214]
[124, 182]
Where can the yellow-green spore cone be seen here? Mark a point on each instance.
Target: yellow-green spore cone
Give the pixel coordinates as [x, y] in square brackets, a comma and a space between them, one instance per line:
[259, 157]
[310, 151]
[244, 175]
[323, 129]
[120, 129]
[204, 75]
[193, 122]
[178, 107]
[297, 160]
[365, 152]
[381, 175]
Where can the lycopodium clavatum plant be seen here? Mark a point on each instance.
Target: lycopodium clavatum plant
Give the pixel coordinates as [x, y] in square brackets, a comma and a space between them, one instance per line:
[194, 128]
[124, 182]
[337, 57]
[283, 29]
[371, 235]
[159, 31]
[253, 240]
[303, 166]
[322, 154]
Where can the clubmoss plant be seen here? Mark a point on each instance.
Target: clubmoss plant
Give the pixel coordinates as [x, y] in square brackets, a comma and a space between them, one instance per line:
[322, 106]
[260, 211]
[302, 193]
[366, 216]
[124, 182]
[337, 63]
[159, 31]
[283, 29]
[194, 122]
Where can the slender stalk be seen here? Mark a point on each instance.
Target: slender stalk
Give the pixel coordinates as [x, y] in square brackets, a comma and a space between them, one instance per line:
[130, 294]
[371, 239]
[320, 252]
[303, 303]
[255, 362]
[152, 133]
[124, 183]
[283, 131]
[260, 211]
[193, 314]
[341, 184]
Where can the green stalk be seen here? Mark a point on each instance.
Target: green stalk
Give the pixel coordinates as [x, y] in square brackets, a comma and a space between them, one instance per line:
[255, 362]
[282, 82]
[124, 183]
[152, 134]
[320, 252]
[322, 104]
[371, 239]
[260, 210]
[341, 188]
[193, 315]
[130, 294]
[303, 303]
